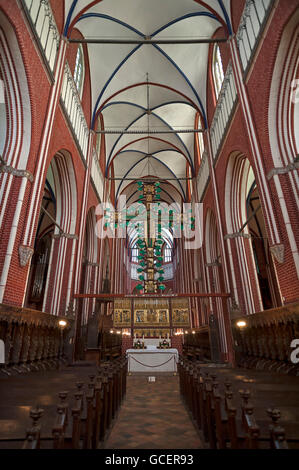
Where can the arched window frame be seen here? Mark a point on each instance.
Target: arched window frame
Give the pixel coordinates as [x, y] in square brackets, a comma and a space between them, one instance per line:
[3, 115]
[167, 253]
[79, 72]
[217, 70]
[98, 137]
[134, 254]
[200, 140]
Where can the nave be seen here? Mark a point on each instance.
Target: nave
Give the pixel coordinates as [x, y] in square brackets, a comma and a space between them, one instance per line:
[149, 201]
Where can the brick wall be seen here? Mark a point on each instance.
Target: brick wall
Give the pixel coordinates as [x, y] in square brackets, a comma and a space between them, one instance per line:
[258, 85]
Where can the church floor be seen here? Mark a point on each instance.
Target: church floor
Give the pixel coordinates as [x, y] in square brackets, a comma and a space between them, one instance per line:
[153, 417]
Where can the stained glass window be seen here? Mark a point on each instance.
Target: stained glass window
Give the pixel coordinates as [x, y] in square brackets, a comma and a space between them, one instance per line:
[218, 74]
[79, 70]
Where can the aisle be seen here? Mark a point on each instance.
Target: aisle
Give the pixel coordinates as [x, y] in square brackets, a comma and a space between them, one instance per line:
[153, 417]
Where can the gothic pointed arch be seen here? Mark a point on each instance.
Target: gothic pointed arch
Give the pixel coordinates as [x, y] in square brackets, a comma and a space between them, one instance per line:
[254, 272]
[15, 138]
[53, 258]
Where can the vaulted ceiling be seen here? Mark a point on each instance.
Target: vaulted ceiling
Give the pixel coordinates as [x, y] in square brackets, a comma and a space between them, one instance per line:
[148, 87]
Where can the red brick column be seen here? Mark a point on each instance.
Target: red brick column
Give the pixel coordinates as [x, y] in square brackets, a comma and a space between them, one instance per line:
[127, 343]
[177, 343]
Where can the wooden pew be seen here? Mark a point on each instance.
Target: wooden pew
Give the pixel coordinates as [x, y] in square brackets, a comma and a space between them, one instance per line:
[94, 407]
[220, 417]
[60, 426]
[32, 440]
[98, 406]
[277, 433]
[251, 428]
[89, 422]
[234, 437]
[76, 415]
[223, 424]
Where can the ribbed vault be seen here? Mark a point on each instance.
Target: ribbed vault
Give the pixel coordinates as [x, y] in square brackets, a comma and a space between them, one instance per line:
[148, 86]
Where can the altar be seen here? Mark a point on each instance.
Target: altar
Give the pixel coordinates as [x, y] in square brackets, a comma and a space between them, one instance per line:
[150, 321]
[152, 360]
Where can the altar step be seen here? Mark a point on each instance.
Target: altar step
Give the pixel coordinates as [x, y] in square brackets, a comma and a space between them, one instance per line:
[153, 417]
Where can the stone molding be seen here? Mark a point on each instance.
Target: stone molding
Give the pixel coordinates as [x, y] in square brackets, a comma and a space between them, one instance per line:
[15, 172]
[25, 255]
[283, 170]
[69, 236]
[213, 264]
[278, 252]
[236, 235]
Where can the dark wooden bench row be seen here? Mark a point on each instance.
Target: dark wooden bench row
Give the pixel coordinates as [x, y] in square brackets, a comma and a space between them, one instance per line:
[95, 405]
[226, 422]
[110, 347]
[197, 346]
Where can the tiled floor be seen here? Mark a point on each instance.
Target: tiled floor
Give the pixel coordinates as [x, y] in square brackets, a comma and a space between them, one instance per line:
[153, 417]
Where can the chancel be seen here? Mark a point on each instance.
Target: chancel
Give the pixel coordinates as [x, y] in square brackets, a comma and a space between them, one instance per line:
[149, 196]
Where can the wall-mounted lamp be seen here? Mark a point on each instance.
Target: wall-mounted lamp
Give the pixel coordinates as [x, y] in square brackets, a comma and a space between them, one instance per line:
[62, 324]
[241, 324]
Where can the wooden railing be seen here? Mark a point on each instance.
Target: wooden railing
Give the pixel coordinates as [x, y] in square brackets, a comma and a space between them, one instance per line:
[264, 342]
[33, 340]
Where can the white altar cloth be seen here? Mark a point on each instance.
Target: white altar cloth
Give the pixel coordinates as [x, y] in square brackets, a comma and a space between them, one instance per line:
[151, 347]
[151, 361]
